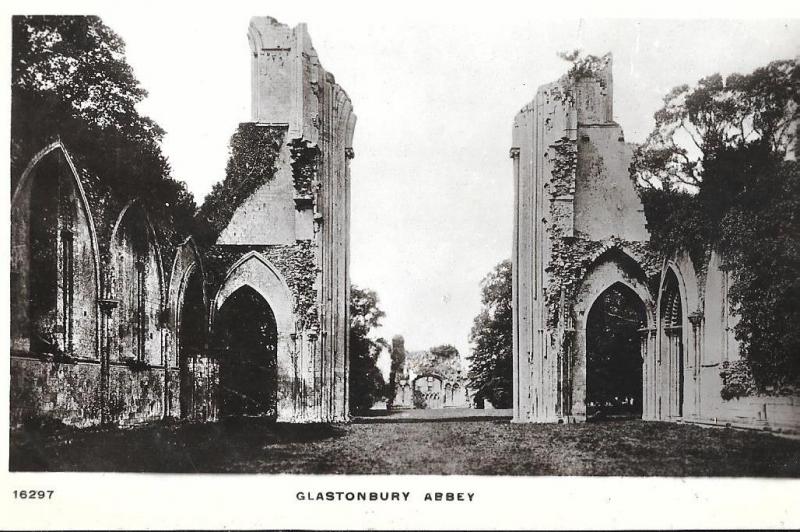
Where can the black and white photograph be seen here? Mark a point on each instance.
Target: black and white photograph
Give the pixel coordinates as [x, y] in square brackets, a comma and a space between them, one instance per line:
[355, 261]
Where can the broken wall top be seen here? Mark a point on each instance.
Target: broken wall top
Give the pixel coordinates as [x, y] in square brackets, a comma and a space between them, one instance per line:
[571, 150]
[290, 86]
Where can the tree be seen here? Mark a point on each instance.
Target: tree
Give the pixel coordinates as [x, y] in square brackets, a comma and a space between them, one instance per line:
[713, 174]
[760, 241]
[440, 360]
[490, 372]
[698, 122]
[366, 381]
[70, 80]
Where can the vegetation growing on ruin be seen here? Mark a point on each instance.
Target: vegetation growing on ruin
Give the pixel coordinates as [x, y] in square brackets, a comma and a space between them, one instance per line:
[713, 174]
[296, 262]
[571, 256]
[254, 151]
[71, 81]
[583, 66]
[442, 360]
[305, 160]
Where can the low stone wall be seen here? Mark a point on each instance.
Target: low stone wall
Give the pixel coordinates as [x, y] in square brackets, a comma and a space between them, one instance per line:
[135, 396]
[67, 392]
[779, 414]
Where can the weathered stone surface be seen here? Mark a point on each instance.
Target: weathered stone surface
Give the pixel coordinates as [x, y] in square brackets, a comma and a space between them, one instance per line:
[115, 323]
[579, 230]
[417, 383]
[67, 392]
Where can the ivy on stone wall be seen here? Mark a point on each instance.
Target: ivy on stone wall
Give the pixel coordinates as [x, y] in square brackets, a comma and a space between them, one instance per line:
[565, 166]
[571, 259]
[737, 380]
[254, 151]
[305, 160]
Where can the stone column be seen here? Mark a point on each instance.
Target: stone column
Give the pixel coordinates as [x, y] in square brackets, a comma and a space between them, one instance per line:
[107, 307]
[647, 338]
[696, 320]
[514, 155]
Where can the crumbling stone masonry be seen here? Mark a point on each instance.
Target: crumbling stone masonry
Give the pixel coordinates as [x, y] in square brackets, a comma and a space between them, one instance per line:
[415, 385]
[115, 322]
[579, 231]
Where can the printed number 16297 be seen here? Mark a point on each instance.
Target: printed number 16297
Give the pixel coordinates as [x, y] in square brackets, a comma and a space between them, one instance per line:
[33, 494]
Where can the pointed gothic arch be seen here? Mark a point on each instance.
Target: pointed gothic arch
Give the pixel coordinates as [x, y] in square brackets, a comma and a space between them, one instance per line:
[137, 282]
[254, 271]
[613, 267]
[55, 271]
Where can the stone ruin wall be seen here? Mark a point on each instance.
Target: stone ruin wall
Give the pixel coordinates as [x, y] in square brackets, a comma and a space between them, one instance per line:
[429, 389]
[289, 240]
[579, 227]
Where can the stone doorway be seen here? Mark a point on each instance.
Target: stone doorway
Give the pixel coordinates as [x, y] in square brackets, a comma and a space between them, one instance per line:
[246, 345]
[614, 383]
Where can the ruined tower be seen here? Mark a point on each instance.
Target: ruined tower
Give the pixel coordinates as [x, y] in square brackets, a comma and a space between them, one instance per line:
[289, 238]
[576, 209]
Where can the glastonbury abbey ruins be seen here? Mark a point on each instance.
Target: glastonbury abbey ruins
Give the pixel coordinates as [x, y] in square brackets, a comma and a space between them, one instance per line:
[119, 319]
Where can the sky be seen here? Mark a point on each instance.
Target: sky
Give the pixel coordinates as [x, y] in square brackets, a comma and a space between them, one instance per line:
[435, 90]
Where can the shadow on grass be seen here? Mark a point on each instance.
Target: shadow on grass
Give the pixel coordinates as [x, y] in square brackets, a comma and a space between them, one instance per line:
[386, 419]
[170, 447]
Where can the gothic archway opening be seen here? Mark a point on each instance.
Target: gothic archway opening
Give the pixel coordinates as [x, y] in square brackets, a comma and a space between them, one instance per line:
[191, 343]
[613, 354]
[427, 392]
[671, 325]
[246, 344]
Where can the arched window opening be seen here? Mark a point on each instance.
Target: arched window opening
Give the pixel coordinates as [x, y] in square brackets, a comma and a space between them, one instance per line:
[671, 324]
[53, 264]
[138, 287]
[613, 354]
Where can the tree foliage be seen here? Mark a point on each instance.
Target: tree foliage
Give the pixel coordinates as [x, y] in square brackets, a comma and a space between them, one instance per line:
[583, 65]
[366, 381]
[697, 122]
[490, 372]
[441, 360]
[713, 175]
[760, 240]
[70, 80]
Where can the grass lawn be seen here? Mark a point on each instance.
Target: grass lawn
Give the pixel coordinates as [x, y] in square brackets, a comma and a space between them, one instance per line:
[443, 443]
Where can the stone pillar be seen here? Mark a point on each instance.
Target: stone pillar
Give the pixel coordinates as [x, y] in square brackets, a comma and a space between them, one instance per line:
[647, 337]
[574, 381]
[515, 379]
[696, 319]
[107, 307]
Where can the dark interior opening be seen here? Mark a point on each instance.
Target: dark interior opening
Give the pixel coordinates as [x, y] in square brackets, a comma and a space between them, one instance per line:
[613, 354]
[246, 344]
[191, 338]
